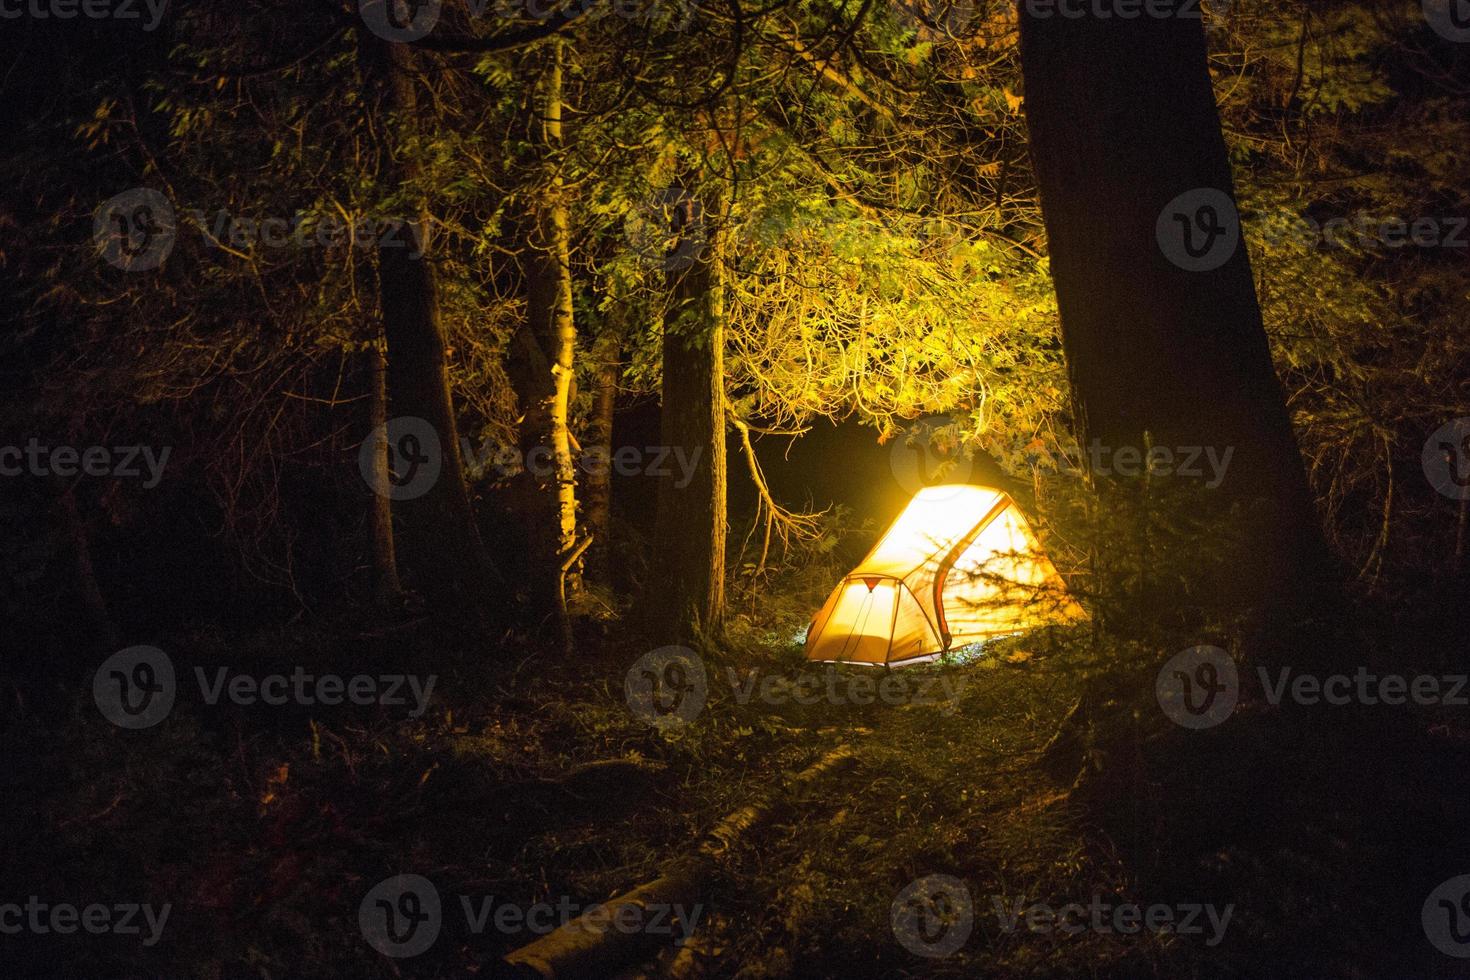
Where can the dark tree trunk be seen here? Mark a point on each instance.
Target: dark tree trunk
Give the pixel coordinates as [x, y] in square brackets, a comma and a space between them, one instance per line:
[687, 581]
[440, 542]
[387, 589]
[607, 369]
[1165, 347]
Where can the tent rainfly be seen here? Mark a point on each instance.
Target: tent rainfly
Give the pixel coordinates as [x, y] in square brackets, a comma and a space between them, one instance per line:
[958, 565]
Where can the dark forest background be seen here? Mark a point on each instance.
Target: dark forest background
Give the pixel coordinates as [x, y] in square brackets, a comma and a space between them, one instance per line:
[835, 251]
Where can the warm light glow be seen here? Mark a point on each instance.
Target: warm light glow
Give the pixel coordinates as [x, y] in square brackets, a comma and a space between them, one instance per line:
[960, 560]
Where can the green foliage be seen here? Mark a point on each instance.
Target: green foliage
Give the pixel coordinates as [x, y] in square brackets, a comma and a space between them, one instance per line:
[1331, 152]
[883, 248]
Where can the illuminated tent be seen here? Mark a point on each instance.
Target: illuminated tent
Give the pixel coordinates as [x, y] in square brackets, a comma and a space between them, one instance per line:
[960, 564]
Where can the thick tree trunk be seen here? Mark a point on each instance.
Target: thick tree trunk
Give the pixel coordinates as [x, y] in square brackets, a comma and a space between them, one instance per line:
[687, 585]
[440, 541]
[547, 350]
[607, 369]
[1162, 332]
[387, 587]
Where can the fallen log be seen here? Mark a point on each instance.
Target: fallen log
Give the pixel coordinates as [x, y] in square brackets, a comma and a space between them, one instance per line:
[636, 924]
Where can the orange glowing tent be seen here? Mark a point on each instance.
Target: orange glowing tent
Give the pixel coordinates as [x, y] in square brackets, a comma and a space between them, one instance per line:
[958, 565]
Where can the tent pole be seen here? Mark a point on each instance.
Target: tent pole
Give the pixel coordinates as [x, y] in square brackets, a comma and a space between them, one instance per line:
[898, 587]
[947, 564]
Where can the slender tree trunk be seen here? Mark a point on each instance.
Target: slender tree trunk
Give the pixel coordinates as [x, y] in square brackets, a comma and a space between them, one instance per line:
[440, 541]
[548, 348]
[687, 585]
[386, 586]
[607, 368]
[1164, 344]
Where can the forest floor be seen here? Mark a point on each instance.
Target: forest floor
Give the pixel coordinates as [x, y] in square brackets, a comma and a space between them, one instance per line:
[529, 780]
